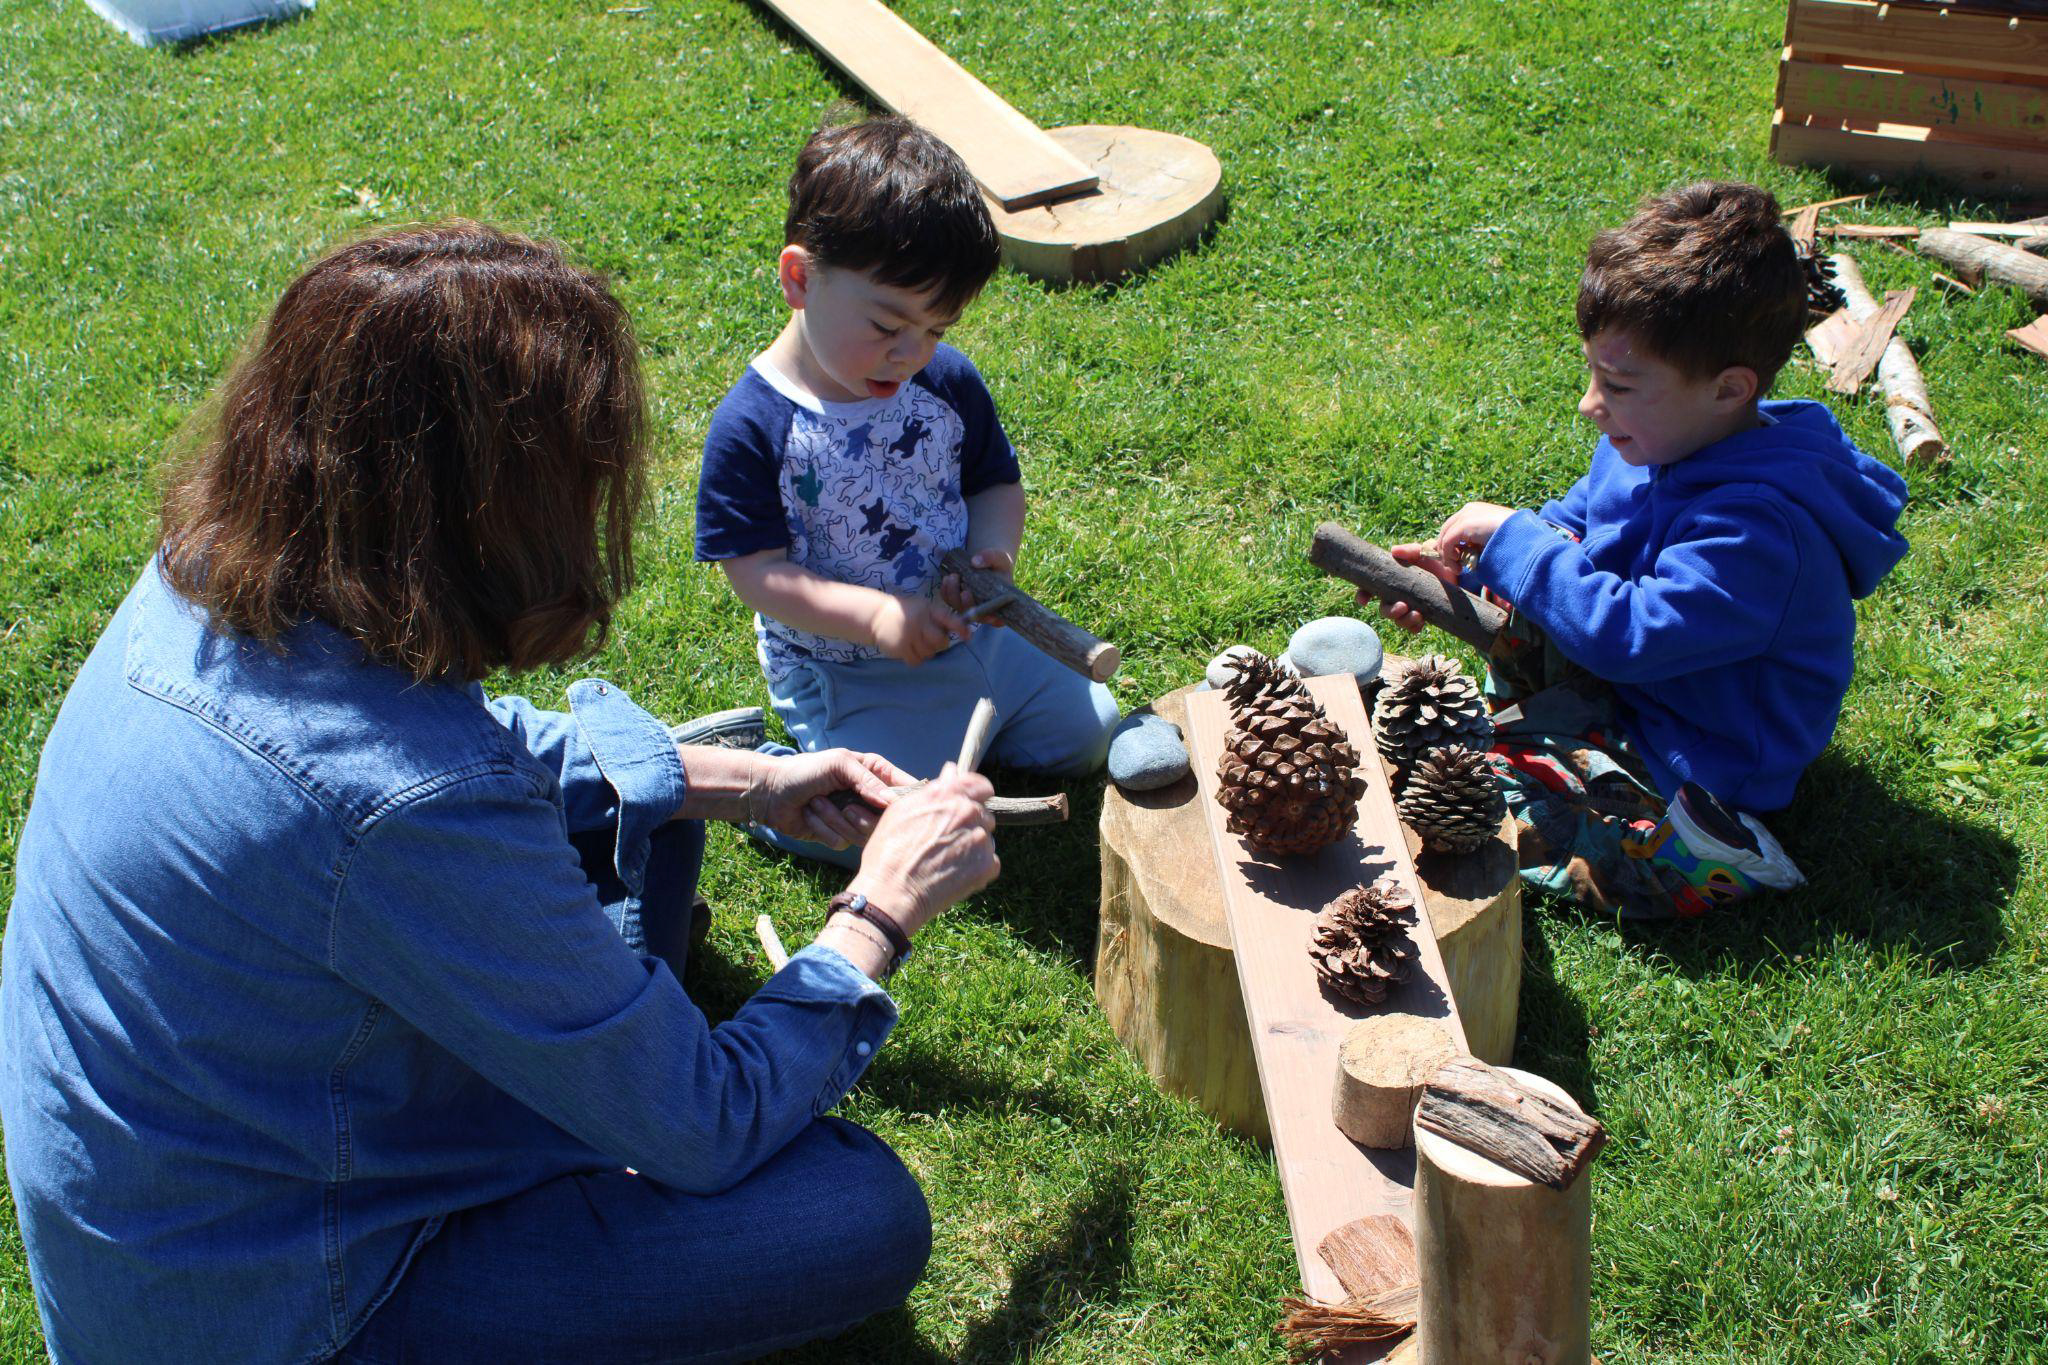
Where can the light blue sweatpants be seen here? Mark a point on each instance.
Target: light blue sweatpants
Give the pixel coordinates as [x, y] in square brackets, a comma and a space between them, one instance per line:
[1049, 719]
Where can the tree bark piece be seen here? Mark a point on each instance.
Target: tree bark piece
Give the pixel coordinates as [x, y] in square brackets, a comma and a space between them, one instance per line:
[1482, 1109]
[1977, 258]
[1338, 552]
[1907, 409]
[1504, 1262]
[1873, 335]
[1370, 1254]
[1060, 638]
[1007, 810]
[2033, 336]
[1381, 1069]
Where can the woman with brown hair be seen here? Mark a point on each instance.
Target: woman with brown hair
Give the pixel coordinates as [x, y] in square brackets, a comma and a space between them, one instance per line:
[341, 1003]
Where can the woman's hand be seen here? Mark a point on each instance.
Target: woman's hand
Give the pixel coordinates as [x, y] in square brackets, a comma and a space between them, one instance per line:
[930, 848]
[961, 598]
[913, 629]
[792, 795]
[1458, 542]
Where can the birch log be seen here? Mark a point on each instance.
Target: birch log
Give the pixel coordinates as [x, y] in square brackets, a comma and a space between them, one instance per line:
[1907, 408]
[1975, 258]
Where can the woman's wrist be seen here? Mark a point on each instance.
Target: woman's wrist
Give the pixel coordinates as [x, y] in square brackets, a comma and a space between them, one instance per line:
[859, 943]
[720, 784]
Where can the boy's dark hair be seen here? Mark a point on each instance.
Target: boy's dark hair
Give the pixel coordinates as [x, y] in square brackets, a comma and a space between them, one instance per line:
[435, 444]
[887, 197]
[1706, 276]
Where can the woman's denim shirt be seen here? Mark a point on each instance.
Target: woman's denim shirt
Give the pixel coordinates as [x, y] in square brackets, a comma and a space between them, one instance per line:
[301, 960]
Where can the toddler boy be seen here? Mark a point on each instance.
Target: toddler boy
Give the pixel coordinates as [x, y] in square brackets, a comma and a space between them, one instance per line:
[856, 450]
[1684, 621]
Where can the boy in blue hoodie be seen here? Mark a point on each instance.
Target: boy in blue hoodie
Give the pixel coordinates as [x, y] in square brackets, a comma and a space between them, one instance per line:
[1683, 618]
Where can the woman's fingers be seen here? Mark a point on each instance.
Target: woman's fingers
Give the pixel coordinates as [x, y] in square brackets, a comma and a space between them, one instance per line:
[829, 825]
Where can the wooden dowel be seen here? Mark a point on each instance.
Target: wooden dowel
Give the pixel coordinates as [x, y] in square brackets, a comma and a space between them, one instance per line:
[771, 942]
[1007, 810]
[1053, 633]
[1907, 409]
[976, 739]
[1977, 258]
[1337, 552]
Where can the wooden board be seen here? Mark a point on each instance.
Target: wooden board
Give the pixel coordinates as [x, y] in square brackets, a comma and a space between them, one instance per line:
[1296, 1030]
[1898, 149]
[1922, 37]
[1987, 110]
[1015, 162]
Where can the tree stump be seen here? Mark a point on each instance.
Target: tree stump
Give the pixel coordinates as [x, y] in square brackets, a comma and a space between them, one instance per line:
[1381, 1069]
[1165, 976]
[1505, 1261]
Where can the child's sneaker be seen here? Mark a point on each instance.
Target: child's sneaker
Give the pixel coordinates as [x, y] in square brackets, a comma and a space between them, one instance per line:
[742, 727]
[1719, 855]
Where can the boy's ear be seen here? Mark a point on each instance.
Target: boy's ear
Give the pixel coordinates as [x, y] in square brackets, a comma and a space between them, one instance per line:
[1736, 386]
[793, 268]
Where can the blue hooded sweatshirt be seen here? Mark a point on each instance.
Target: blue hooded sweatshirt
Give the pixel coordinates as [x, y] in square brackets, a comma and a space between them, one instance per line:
[1716, 594]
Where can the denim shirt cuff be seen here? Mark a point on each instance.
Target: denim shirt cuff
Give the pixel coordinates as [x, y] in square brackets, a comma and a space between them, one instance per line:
[636, 755]
[821, 973]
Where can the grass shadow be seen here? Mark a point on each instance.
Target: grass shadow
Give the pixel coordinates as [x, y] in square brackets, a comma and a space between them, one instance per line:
[1086, 1263]
[1551, 1030]
[235, 32]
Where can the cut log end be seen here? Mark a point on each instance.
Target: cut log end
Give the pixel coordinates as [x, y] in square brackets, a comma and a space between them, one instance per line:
[1381, 1070]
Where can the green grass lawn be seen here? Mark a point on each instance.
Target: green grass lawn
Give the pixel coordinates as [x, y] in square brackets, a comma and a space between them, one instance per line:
[1828, 1111]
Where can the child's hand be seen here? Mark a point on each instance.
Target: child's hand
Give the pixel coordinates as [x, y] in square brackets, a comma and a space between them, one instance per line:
[1465, 533]
[957, 594]
[1422, 556]
[913, 629]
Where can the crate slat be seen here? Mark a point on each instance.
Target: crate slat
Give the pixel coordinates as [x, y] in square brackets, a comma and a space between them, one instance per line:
[1917, 35]
[1991, 111]
[1898, 149]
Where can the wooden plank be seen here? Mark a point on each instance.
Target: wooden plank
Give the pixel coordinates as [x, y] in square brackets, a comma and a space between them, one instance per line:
[1296, 1030]
[1861, 354]
[1997, 229]
[1896, 150]
[2033, 336]
[1907, 35]
[1987, 110]
[1016, 163]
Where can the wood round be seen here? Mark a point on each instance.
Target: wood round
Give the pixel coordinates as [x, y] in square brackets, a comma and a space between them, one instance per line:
[1165, 976]
[1158, 192]
[1505, 1263]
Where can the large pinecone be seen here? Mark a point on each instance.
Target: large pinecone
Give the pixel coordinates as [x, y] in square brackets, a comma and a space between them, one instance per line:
[1289, 777]
[1427, 707]
[1361, 946]
[1452, 799]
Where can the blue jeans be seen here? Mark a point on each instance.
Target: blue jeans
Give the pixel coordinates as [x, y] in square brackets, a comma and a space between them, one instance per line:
[612, 1267]
[1049, 719]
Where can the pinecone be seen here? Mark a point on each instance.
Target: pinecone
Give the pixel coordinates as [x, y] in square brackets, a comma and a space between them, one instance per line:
[1288, 777]
[1430, 705]
[1361, 946]
[1452, 799]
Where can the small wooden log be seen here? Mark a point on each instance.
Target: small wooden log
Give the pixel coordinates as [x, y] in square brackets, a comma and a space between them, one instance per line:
[1381, 1069]
[1907, 409]
[1058, 637]
[1873, 335]
[1978, 259]
[1505, 1262]
[2035, 246]
[1338, 552]
[1007, 810]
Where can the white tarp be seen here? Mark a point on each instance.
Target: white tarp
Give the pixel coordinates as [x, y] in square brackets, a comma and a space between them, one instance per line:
[171, 21]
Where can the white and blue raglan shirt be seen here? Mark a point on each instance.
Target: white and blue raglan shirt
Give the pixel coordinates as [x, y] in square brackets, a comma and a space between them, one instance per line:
[870, 492]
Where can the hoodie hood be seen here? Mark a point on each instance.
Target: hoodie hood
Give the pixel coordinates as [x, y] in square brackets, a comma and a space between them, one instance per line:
[1803, 454]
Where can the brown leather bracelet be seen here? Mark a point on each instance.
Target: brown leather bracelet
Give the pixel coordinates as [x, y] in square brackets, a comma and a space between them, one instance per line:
[855, 904]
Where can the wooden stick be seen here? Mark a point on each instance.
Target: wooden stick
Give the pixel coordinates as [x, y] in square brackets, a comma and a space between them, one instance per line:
[771, 942]
[1976, 258]
[981, 609]
[1824, 204]
[1866, 231]
[1341, 554]
[1907, 408]
[1007, 810]
[1485, 1111]
[1997, 229]
[1873, 336]
[1058, 637]
[976, 739]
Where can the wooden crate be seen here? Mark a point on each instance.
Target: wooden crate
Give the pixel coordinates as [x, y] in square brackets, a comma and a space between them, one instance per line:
[1957, 91]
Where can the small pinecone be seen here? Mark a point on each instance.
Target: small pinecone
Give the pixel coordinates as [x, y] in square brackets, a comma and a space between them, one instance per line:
[1452, 799]
[1428, 707]
[1823, 295]
[1361, 946]
[1288, 777]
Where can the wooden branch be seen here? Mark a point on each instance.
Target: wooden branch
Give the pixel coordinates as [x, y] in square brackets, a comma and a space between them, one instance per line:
[1060, 638]
[1978, 259]
[976, 739]
[1341, 554]
[1907, 409]
[1873, 335]
[1483, 1111]
[1007, 810]
[771, 942]
[1825, 204]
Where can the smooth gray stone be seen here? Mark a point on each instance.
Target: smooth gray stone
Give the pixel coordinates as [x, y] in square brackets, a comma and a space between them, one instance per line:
[1336, 644]
[1146, 752]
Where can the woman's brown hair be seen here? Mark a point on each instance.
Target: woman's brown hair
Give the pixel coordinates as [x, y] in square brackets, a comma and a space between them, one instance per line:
[436, 445]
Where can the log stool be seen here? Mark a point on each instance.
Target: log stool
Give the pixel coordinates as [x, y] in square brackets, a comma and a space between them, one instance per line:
[1164, 973]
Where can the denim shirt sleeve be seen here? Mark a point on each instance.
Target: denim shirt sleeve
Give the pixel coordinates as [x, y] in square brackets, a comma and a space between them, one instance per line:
[466, 912]
[613, 761]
